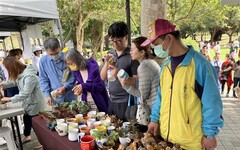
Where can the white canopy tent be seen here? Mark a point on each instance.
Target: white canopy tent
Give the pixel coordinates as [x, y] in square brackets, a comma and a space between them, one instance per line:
[20, 15]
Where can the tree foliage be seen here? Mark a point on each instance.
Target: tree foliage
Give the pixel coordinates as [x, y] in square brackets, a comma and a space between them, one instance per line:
[86, 16]
[199, 16]
[93, 17]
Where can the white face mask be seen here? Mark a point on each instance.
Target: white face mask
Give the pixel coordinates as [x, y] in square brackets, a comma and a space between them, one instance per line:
[56, 57]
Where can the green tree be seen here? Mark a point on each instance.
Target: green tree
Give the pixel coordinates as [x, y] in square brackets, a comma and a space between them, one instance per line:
[231, 20]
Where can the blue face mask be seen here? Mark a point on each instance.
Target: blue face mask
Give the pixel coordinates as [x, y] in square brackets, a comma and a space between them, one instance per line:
[56, 57]
[158, 50]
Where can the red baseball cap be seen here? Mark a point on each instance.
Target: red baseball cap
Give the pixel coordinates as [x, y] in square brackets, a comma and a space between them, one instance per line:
[157, 28]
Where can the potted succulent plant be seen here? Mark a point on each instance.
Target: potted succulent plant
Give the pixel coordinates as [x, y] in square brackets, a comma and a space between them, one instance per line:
[113, 136]
[104, 141]
[99, 135]
[133, 134]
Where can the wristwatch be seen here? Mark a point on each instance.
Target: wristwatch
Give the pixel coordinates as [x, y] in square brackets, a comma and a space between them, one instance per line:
[209, 137]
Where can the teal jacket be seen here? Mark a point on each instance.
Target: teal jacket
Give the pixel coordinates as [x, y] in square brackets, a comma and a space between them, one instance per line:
[188, 105]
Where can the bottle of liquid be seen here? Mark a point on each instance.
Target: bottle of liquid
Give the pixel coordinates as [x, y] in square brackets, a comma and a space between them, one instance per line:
[110, 77]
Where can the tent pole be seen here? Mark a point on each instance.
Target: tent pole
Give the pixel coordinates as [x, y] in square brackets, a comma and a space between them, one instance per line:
[128, 21]
[11, 42]
[4, 48]
[22, 40]
[60, 32]
[4, 45]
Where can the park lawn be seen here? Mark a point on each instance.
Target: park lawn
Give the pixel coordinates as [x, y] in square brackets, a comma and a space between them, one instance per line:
[223, 53]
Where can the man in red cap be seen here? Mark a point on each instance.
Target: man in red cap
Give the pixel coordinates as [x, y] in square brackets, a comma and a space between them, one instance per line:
[188, 107]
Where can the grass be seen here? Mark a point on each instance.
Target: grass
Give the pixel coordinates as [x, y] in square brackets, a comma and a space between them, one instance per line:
[223, 53]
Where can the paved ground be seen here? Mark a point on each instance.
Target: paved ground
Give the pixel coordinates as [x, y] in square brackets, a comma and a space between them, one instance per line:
[228, 139]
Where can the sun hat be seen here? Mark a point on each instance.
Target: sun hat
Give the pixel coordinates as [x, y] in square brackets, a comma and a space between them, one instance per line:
[157, 28]
[37, 48]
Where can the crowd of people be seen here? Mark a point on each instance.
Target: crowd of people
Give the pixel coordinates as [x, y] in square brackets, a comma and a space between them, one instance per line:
[228, 70]
[169, 80]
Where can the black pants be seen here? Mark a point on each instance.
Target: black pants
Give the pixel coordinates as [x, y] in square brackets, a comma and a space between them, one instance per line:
[223, 84]
[118, 109]
[27, 120]
[236, 83]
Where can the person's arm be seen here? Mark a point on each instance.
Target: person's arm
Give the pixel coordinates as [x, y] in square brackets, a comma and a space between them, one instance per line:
[25, 91]
[144, 80]
[44, 80]
[229, 68]
[8, 84]
[103, 73]
[211, 101]
[70, 82]
[132, 90]
[155, 114]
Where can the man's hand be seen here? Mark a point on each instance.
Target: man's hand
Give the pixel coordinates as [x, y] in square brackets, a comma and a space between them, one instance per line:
[208, 144]
[61, 90]
[108, 56]
[114, 70]
[48, 101]
[6, 99]
[77, 89]
[153, 128]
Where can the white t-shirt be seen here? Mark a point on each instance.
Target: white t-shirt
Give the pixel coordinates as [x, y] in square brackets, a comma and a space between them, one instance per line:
[217, 48]
[236, 43]
[35, 62]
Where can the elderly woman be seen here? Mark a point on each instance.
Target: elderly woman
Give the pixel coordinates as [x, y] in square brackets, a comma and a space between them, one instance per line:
[89, 83]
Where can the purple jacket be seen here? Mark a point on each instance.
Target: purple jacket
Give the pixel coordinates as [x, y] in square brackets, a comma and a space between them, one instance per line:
[93, 85]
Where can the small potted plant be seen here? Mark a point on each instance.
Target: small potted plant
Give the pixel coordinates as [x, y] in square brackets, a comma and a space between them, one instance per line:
[109, 144]
[105, 142]
[133, 134]
[99, 135]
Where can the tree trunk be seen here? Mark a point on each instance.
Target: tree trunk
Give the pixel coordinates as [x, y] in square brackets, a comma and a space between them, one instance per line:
[212, 33]
[102, 38]
[150, 11]
[230, 38]
[79, 34]
[202, 34]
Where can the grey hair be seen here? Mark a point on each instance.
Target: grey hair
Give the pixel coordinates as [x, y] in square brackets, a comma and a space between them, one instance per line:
[52, 44]
[75, 56]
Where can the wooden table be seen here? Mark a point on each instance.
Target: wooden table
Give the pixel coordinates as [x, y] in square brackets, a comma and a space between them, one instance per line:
[50, 139]
[11, 113]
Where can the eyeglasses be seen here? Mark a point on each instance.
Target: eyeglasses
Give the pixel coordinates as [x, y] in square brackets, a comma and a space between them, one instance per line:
[115, 41]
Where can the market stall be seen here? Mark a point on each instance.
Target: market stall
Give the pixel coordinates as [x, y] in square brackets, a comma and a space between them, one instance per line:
[50, 139]
[24, 15]
[72, 126]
